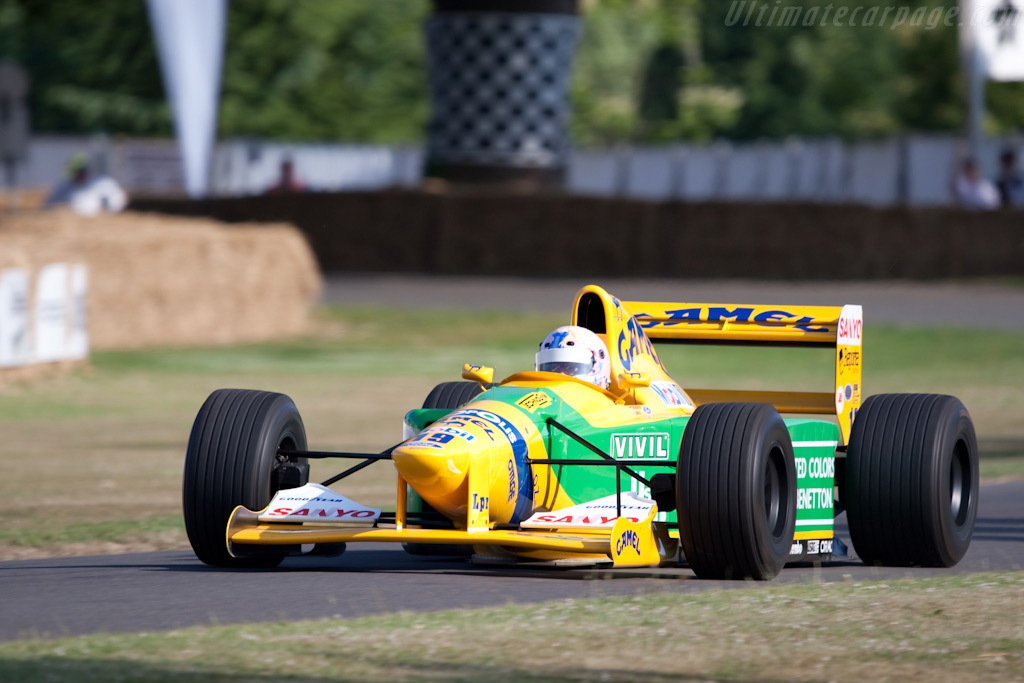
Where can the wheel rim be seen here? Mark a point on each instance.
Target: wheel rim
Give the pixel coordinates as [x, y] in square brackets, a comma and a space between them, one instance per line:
[287, 443]
[960, 484]
[775, 491]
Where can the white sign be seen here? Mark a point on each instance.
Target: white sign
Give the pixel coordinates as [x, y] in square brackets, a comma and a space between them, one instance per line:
[77, 343]
[15, 340]
[51, 313]
[998, 27]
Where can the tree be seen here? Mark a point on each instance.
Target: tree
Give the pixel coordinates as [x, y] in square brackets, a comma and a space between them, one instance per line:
[337, 70]
[650, 71]
[311, 70]
[93, 65]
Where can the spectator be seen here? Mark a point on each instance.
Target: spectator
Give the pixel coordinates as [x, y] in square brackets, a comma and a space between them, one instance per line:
[1010, 183]
[87, 196]
[287, 182]
[971, 190]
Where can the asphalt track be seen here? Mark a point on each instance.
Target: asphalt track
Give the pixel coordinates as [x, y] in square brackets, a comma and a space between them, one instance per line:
[161, 591]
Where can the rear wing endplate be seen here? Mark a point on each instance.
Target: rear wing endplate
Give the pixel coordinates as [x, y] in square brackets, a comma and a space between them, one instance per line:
[840, 327]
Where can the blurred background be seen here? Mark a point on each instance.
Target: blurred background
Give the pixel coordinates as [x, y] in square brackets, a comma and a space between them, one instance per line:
[670, 99]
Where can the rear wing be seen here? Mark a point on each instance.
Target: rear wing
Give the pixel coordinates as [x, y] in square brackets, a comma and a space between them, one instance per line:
[822, 326]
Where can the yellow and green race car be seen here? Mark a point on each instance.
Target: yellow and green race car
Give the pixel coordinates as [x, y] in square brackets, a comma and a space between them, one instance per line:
[630, 469]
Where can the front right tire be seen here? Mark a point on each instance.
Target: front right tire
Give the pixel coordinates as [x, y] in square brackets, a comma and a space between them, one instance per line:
[736, 491]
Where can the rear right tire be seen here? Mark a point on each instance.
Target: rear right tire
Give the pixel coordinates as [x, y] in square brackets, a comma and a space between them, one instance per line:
[912, 480]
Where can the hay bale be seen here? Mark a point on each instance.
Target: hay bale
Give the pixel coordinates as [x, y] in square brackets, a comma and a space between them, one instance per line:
[159, 280]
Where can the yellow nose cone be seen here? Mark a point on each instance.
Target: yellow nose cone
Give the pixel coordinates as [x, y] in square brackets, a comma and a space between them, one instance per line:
[437, 474]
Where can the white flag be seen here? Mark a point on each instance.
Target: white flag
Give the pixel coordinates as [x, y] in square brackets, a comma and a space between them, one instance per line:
[190, 41]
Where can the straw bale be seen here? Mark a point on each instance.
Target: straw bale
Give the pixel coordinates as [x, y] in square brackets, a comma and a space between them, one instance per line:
[160, 280]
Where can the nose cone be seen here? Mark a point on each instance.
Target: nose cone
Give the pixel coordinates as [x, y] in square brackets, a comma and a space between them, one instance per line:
[437, 472]
[479, 450]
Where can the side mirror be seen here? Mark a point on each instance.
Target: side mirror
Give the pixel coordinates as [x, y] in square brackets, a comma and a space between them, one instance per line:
[482, 373]
[634, 380]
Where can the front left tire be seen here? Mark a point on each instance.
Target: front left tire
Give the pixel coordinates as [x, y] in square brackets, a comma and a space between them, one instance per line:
[232, 459]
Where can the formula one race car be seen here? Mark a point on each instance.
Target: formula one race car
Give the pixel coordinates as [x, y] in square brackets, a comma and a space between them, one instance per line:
[547, 467]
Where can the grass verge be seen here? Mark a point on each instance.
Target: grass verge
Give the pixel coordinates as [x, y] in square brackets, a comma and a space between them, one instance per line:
[937, 629]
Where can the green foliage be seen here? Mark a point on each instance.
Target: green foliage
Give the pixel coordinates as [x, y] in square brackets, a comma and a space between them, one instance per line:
[93, 65]
[787, 68]
[318, 69]
[655, 71]
[825, 78]
[609, 60]
[345, 69]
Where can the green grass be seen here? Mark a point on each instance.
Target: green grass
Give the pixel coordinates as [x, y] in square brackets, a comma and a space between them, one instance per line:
[954, 628]
[42, 535]
[97, 453]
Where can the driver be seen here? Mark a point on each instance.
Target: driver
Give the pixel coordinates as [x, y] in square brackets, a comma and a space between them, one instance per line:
[576, 351]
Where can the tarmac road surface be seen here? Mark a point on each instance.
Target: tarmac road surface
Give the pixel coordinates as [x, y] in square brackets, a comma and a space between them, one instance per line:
[904, 303]
[160, 591]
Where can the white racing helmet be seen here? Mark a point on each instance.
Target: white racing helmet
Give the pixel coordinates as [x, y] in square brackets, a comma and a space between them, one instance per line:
[576, 351]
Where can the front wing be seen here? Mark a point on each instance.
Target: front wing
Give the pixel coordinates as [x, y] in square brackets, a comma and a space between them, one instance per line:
[626, 543]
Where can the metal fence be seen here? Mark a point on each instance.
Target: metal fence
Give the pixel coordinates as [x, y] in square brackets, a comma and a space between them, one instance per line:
[914, 170]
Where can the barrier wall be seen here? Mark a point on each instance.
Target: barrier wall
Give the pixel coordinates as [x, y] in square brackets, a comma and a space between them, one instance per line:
[912, 170]
[563, 235]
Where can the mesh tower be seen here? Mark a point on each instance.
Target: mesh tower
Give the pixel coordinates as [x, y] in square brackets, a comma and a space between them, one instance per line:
[499, 78]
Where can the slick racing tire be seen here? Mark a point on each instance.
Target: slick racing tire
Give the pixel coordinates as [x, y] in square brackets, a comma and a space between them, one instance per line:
[451, 395]
[736, 491]
[232, 460]
[447, 395]
[912, 480]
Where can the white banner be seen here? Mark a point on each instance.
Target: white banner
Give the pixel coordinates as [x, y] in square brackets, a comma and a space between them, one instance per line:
[15, 340]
